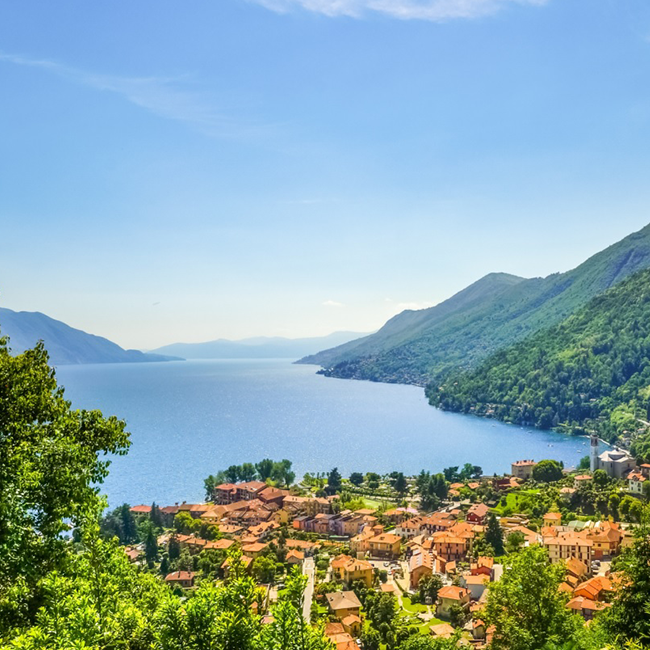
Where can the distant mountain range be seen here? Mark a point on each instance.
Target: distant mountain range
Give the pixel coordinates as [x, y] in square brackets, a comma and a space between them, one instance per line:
[65, 344]
[257, 348]
[416, 347]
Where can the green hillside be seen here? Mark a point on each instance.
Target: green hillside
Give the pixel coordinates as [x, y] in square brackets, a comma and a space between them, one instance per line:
[495, 312]
[591, 371]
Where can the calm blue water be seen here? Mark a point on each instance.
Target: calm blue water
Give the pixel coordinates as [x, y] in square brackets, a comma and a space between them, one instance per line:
[190, 419]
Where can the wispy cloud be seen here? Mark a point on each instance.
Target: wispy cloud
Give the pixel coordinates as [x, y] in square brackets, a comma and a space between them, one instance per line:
[333, 303]
[435, 10]
[168, 97]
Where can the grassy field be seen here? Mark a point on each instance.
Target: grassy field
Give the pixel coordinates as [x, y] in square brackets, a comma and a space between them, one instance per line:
[514, 499]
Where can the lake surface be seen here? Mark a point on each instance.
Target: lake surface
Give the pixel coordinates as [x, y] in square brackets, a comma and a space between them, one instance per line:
[190, 419]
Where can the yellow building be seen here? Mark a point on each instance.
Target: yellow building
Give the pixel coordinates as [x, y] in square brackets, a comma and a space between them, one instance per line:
[385, 545]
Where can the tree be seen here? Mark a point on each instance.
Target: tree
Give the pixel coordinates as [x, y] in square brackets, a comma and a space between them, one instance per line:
[457, 615]
[289, 630]
[429, 586]
[264, 569]
[629, 617]
[282, 472]
[233, 473]
[248, 472]
[400, 483]
[585, 463]
[264, 469]
[494, 534]
[150, 542]
[451, 473]
[356, 478]
[514, 541]
[600, 478]
[333, 481]
[525, 606]
[211, 482]
[547, 471]
[49, 465]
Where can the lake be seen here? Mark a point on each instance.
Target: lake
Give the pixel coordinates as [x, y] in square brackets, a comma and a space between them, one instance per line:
[192, 418]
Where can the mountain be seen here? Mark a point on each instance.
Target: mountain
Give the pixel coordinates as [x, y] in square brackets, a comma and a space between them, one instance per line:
[416, 346]
[256, 348]
[591, 370]
[65, 344]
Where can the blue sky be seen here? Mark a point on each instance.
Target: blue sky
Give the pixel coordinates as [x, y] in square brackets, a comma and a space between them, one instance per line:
[230, 168]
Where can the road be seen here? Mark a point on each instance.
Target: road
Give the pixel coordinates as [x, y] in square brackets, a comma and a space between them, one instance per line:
[308, 569]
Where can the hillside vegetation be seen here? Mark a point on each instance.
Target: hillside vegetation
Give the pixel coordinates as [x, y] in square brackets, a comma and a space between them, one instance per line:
[592, 371]
[493, 313]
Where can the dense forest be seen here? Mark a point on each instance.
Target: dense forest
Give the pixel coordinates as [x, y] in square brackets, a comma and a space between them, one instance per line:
[590, 372]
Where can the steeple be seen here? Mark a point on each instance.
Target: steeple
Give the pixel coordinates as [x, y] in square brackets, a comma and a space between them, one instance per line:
[593, 453]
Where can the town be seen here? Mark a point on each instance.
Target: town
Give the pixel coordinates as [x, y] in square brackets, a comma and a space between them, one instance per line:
[388, 557]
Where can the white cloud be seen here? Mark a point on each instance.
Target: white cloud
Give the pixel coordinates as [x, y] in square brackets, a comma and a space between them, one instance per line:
[167, 97]
[333, 303]
[435, 10]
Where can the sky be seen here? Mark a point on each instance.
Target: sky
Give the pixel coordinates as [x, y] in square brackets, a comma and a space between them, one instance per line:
[185, 171]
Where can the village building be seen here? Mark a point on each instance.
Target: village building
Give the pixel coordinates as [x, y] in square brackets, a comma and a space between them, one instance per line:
[385, 546]
[343, 604]
[477, 514]
[570, 545]
[349, 570]
[448, 597]
[523, 469]
[635, 482]
[184, 579]
[616, 462]
[442, 631]
[420, 565]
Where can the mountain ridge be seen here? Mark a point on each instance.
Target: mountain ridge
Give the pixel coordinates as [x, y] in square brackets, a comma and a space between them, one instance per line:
[503, 310]
[261, 347]
[66, 344]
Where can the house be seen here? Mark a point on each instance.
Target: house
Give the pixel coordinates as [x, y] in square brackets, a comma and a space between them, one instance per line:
[272, 495]
[552, 519]
[635, 481]
[420, 565]
[523, 469]
[645, 469]
[450, 546]
[588, 608]
[582, 479]
[343, 604]
[597, 588]
[484, 565]
[442, 631]
[349, 570]
[448, 597]
[184, 579]
[477, 514]
[253, 550]
[475, 584]
[246, 562]
[295, 557]
[385, 545]
[606, 538]
[577, 569]
[352, 624]
[141, 510]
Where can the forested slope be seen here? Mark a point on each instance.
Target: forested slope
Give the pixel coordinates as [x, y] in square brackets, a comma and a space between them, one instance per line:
[590, 371]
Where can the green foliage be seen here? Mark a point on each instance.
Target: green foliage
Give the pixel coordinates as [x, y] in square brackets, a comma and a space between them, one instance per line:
[334, 481]
[547, 471]
[49, 462]
[629, 616]
[592, 370]
[525, 606]
[494, 534]
[356, 478]
[428, 587]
